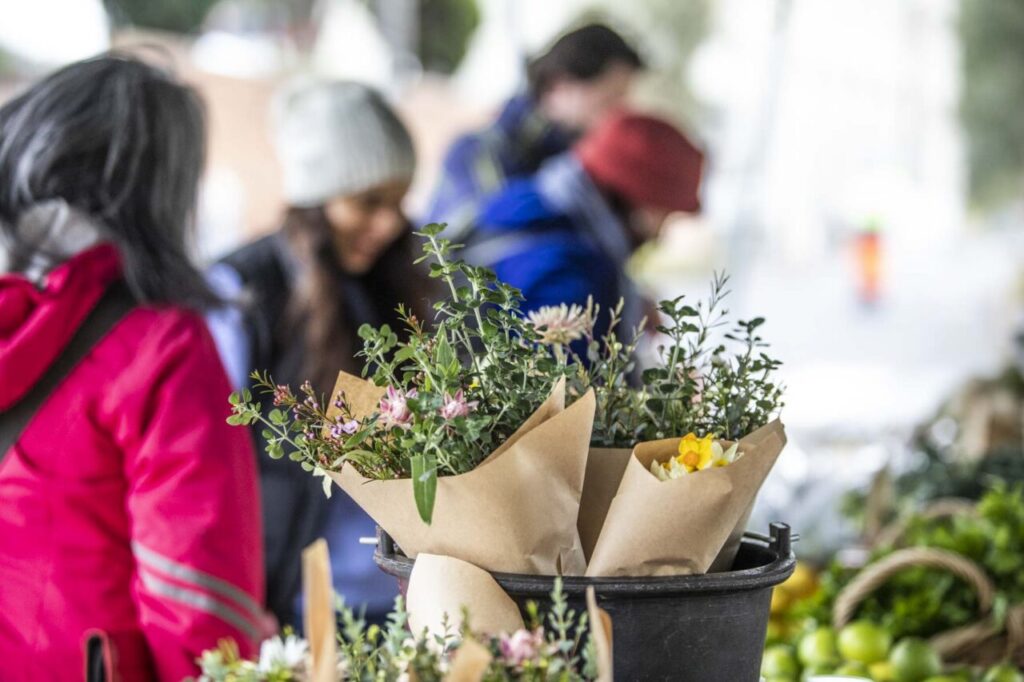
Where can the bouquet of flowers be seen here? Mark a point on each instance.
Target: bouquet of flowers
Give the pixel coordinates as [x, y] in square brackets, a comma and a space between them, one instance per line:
[460, 442]
[693, 441]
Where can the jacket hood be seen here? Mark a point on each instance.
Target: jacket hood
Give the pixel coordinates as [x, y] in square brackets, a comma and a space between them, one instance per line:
[36, 323]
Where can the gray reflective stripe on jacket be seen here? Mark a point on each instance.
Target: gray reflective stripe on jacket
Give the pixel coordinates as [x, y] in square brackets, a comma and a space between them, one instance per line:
[200, 590]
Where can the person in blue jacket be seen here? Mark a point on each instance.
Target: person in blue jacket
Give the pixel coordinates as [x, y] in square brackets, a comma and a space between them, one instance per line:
[583, 76]
[564, 234]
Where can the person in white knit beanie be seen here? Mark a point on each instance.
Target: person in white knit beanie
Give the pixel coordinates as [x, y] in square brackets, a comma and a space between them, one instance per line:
[342, 258]
[337, 138]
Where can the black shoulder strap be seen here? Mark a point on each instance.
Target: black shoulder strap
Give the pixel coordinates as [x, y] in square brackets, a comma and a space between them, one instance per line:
[116, 302]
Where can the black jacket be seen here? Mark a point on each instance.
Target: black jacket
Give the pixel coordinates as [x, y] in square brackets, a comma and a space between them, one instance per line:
[294, 505]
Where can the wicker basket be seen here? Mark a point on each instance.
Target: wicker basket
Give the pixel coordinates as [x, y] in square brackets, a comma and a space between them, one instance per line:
[984, 642]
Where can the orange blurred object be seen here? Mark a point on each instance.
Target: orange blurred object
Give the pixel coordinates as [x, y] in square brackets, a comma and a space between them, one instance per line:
[868, 256]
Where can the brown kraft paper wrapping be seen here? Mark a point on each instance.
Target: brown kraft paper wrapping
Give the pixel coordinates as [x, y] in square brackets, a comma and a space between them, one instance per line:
[320, 623]
[601, 633]
[605, 467]
[516, 512]
[470, 662]
[680, 526]
[441, 586]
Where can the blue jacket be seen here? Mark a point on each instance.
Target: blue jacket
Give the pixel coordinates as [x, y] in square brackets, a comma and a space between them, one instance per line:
[480, 164]
[535, 239]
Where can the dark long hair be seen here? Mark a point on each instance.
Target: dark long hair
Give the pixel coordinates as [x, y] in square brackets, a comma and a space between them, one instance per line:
[583, 54]
[123, 142]
[317, 305]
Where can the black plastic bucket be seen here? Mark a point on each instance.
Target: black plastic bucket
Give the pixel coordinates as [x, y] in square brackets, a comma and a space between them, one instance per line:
[692, 628]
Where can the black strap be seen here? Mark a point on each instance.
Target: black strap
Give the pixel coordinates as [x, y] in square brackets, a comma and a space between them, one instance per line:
[99, 657]
[116, 302]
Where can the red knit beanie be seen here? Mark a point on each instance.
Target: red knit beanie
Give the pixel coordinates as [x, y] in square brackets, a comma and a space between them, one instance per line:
[646, 160]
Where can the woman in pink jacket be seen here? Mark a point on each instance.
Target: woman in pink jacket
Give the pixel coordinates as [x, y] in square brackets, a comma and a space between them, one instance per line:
[129, 512]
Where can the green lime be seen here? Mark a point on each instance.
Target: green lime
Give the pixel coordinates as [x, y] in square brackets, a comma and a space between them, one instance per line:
[944, 678]
[1004, 672]
[864, 642]
[818, 648]
[853, 669]
[814, 671]
[779, 661]
[914, 660]
[881, 671]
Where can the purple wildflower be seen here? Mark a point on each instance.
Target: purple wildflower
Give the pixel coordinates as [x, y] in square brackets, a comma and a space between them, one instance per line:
[341, 427]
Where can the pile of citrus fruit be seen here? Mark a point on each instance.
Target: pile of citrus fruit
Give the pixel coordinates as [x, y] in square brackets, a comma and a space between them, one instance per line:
[864, 650]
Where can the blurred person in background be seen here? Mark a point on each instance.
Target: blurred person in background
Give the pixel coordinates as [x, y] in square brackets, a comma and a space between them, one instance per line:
[343, 257]
[128, 507]
[565, 234]
[585, 75]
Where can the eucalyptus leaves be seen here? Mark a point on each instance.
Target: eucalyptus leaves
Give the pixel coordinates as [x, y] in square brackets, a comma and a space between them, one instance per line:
[704, 382]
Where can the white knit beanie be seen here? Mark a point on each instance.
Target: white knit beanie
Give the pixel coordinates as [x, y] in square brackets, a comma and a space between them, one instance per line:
[337, 138]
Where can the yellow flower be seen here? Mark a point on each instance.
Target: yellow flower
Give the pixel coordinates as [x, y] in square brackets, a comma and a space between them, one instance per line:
[696, 453]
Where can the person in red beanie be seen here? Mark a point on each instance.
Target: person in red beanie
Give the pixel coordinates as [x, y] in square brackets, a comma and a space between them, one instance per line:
[564, 234]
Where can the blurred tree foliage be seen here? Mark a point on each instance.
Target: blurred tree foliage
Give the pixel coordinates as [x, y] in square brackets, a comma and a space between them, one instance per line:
[992, 35]
[445, 29]
[179, 16]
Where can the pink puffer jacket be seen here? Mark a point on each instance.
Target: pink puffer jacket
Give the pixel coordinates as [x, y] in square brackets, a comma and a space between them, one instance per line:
[128, 505]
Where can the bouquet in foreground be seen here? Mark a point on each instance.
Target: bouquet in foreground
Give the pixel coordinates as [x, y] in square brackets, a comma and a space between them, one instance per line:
[459, 442]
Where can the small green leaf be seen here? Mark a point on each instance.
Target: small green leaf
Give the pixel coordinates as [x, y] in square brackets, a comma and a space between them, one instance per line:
[404, 353]
[444, 356]
[424, 484]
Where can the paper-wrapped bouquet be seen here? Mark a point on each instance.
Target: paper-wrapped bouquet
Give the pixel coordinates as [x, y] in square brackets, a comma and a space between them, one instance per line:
[678, 457]
[459, 441]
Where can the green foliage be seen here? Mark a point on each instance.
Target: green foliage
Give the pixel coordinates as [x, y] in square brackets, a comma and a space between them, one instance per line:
[446, 27]
[726, 389]
[922, 602]
[179, 16]
[371, 654]
[992, 36]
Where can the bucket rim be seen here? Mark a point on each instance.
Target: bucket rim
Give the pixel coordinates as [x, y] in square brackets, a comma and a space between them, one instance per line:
[758, 577]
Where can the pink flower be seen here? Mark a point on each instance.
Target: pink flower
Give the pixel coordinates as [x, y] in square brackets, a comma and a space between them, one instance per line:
[394, 410]
[521, 646]
[281, 394]
[457, 405]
